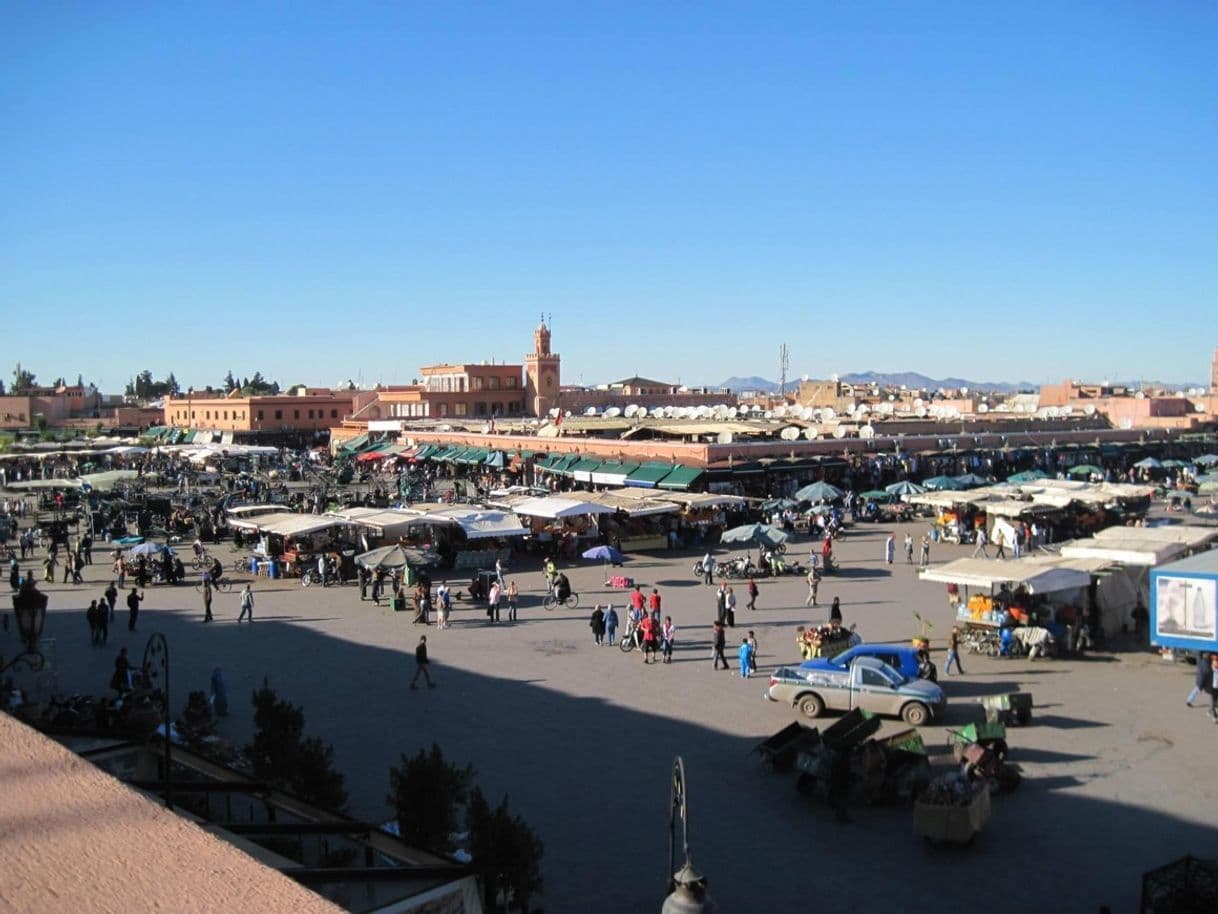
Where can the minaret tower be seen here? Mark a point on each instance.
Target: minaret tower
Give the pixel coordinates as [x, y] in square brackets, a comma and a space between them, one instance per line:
[541, 374]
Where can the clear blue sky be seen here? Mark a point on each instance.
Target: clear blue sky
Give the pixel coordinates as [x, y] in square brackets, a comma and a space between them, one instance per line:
[330, 191]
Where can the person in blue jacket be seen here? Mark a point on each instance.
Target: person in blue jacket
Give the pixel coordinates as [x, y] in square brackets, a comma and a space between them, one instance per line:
[746, 658]
[611, 623]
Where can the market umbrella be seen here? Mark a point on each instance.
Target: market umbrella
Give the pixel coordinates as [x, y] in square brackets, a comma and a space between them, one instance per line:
[1207, 459]
[1173, 464]
[972, 480]
[606, 554]
[760, 534]
[904, 487]
[1208, 477]
[147, 549]
[1085, 469]
[819, 491]
[391, 558]
[1148, 463]
[1207, 488]
[876, 495]
[940, 483]
[1028, 476]
[778, 504]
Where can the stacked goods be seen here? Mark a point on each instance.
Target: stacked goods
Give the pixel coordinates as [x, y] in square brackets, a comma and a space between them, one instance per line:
[951, 809]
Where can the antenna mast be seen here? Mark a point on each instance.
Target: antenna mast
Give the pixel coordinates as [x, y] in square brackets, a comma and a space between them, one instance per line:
[784, 362]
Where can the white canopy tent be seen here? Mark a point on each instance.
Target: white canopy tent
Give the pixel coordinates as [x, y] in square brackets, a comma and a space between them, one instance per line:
[552, 506]
[1034, 576]
[1130, 549]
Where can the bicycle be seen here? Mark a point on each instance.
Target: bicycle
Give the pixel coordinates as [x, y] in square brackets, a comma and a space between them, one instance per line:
[571, 601]
[201, 561]
[223, 585]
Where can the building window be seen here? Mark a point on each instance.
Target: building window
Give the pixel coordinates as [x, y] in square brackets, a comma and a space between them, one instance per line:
[511, 383]
[279, 414]
[458, 409]
[492, 383]
[333, 414]
[226, 415]
[207, 414]
[480, 409]
[295, 414]
[260, 416]
[477, 383]
[310, 414]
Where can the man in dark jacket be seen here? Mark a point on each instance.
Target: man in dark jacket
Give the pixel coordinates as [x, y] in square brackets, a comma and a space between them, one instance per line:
[421, 665]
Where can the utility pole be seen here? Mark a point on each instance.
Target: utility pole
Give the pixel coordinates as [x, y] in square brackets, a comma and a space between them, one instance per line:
[784, 362]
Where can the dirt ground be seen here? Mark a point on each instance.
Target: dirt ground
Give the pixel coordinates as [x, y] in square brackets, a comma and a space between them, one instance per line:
[582, 737]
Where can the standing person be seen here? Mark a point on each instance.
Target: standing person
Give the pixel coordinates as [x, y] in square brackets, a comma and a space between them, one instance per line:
[1203, 672]
[421, 665]
[718, 644]
[69, 565]
[513, 598]
[729, 602]
[597, 624]
[492, 604]
[668, 632]
[637, 600]
[746, 659]
[721, 604]
[924, 558]
[835, 611]
[247, 604]
[981, 541]
[133, 608]
[650, 637]
[813, 586]
[444, 598]
[91, 616]
[752, 639]
[363, 583]
[104, 611]
[1000, 544]
[1212, 687]
[753, 593]
[111, 598]
[207, 595]
[611, 623]
[653, 602]
[219, 692]
[708, 569]
[890, 548]
[908, 549]
[953, 653]
[121, 680]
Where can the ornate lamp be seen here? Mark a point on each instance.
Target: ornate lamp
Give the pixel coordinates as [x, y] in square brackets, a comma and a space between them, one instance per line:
[686, 887]
[30, 607]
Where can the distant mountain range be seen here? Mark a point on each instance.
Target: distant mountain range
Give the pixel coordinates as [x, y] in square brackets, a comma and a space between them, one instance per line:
[909, 379]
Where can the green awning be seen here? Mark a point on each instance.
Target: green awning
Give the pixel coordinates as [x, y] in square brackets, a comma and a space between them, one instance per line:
[496, 460]
[559, 463]
[681, 478]
[472, 455]
[613, 472]
[447, 455]
[424, 452]
[354, 444]
[650, 473]
[582, 469]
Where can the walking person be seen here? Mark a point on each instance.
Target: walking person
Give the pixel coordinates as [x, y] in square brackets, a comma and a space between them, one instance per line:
[718, 644]
[981, 542]
[924, 558]
[1203, 672]
[746, 658]
[1212, 687]
[835, 611]
[813, 586]
[207, 595]
[729, 603]
[597, 624]
[513, 598]
[908, 549]
[1000, 544]
[953, 653]
[610, 623]
[708, 569]
[890, 549]
[247, 604]
[492, 603]
[91, 616]
[421, 665]
[105, 610]
[133, 608]
[668, 632]
[753, 593]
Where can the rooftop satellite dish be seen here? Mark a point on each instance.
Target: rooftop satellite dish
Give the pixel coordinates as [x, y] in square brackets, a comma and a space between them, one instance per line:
[790, 433]
[917, 402]
[733, 412]
[1089, 410]
[725, 437]
[1126, 424]
[1140, 395]
[839, 432]
[811, 433]
[921, 412]
[867, 431]
[828, 412]
[612, 412]
[631, 411]
[555, 412]
[590, 411]
[767, 415]
[721, 412]
[982, 408]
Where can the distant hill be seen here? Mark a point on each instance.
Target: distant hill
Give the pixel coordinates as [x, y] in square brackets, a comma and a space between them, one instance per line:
[913, 380]
[753, 383]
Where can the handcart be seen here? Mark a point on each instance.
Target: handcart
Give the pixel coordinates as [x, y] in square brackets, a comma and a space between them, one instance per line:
[990, 735]
[1011, 708]
[950, 824]
[779, 751]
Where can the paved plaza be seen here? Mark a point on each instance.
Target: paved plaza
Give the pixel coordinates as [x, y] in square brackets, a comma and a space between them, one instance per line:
[1118, 775]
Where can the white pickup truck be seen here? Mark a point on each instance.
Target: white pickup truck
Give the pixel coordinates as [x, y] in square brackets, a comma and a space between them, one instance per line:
[868, 684]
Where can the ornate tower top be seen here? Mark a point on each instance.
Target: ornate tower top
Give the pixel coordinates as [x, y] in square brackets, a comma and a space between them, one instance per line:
[541, 339]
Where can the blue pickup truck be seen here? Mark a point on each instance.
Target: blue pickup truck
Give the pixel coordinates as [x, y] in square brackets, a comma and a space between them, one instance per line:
[905, 660]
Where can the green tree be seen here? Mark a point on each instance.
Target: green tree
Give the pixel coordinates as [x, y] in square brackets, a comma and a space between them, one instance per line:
[283, 755]
[426, 793]
[171, 385]
[230, 383]
[506, 854]
[22, 380]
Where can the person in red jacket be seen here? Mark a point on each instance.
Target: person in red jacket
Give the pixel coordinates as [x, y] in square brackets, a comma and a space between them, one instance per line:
[651, 636]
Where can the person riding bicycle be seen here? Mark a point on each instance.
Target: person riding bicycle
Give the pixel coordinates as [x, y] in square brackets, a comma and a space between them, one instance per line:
[562, 587]
[551, 573]
[215, 572]
[197, 546]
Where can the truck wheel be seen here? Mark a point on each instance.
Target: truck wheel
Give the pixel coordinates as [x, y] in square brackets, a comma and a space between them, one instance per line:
[811, 705]
[915, 714]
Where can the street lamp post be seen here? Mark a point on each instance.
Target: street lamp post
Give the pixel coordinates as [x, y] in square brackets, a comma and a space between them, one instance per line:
[687, 892]
[156, 663]
[30, 607]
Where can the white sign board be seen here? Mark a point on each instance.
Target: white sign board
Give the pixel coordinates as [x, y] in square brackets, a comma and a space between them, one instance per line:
[1186, 608]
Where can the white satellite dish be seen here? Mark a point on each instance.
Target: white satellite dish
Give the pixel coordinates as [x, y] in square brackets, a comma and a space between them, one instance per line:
[1140, 395]
[733, 411]
[756, 408]
[631, 411]
[721, 413]
[862, 409]
[790, 433]
[982, 408]
[839, 432]
[921, 412]
[612, 412]
[917, 402]
[554, 413]
[590, 411]
[1089, 409]
[1126, 424]
[811, 433]
[725, 437]
[767, 415]
[828, 412]
[867, 431]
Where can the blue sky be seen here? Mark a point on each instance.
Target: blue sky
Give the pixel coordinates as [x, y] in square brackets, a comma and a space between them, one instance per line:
[332, 191]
